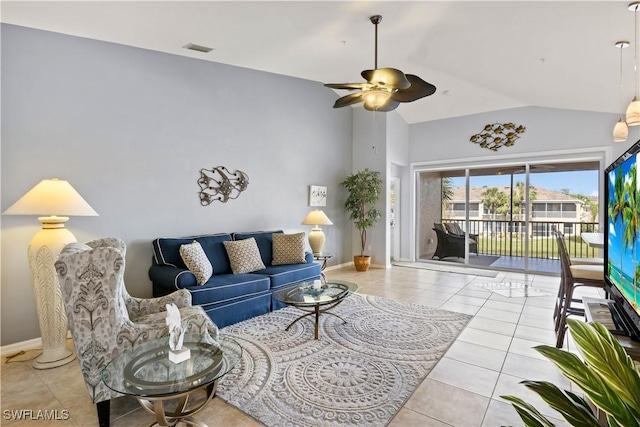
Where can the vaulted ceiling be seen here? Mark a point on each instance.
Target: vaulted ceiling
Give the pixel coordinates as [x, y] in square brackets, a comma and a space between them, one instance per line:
[482, 56]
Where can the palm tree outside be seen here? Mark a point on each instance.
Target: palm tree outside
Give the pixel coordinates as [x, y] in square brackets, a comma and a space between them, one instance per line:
[632, 219]
[619, 202]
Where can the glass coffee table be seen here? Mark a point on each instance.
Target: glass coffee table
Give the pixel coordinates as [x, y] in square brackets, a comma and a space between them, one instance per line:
[146, 373]
[315, 301]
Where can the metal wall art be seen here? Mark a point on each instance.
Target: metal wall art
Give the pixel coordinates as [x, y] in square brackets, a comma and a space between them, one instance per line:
[218, 184]
[496, 135]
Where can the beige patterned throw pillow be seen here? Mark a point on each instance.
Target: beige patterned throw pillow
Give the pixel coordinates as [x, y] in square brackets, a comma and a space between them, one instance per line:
[244, 255]
[196, 261]
[288, 249]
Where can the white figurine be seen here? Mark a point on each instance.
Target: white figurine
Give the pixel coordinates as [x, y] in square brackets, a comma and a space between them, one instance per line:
[176, 335]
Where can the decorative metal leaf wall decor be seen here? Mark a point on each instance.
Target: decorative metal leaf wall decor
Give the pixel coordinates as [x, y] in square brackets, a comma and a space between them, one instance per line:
[496, 135]
[218, 184]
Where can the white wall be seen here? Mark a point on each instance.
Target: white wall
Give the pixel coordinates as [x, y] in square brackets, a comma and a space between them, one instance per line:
[398, 161]
[131, 128]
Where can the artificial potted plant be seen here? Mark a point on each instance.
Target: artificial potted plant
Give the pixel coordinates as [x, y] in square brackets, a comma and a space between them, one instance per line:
[607, 377]
[364, 192]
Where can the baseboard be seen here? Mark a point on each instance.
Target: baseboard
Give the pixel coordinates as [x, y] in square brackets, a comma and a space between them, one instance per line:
[336, 267]
[350, 264]
[8, 350]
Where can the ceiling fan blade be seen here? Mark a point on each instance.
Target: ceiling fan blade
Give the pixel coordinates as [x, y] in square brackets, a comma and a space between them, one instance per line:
[390, 105]
[350, 86]
[419, 89]
[386, 77]
[347, 100]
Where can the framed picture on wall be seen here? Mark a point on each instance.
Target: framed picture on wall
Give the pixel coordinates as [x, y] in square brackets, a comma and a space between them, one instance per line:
[317, 195]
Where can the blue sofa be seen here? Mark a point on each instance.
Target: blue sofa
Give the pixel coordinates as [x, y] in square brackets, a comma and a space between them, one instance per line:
[226, 297]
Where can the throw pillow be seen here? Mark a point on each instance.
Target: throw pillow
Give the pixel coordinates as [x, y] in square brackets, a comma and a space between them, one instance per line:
[196, 261]
[244, 255]
[288, 249]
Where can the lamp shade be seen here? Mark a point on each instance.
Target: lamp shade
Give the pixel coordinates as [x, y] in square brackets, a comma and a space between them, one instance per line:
[633, 112]
[620, 131]
[316, 217]
[52, 197]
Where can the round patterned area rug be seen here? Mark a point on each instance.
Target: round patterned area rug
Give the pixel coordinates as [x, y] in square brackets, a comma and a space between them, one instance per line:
[357, 373]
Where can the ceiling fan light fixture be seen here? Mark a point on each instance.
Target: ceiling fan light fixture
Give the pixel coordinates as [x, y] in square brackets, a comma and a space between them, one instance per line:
[376, 98]
[386, 88]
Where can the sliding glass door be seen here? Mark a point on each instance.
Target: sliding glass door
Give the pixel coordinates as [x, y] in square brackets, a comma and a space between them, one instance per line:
[507, 215]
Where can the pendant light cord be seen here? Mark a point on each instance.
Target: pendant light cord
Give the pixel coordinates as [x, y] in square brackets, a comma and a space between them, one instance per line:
[635, 65]
[620, 86]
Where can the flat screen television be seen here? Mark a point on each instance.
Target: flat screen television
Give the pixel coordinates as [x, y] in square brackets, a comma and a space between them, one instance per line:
[622, 237]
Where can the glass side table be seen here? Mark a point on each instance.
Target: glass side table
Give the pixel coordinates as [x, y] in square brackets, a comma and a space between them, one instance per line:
[146, 373]
[315, 301]
[324, 258]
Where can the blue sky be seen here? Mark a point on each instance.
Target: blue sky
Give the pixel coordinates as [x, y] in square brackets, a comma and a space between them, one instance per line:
[580, 182]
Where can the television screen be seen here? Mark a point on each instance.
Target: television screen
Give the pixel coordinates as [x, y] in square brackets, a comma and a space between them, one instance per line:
[622, 250]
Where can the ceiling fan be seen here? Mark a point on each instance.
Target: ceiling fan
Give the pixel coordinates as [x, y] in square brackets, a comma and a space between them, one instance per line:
[386, 88]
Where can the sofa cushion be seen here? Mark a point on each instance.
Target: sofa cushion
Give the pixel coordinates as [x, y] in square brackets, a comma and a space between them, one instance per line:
[244, 256]
[264, 239]
[288, 249]
[284, 275]
[196, 261]
[228, 287]
[166, 251]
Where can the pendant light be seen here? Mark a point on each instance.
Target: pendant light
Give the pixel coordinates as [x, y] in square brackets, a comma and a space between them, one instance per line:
[633, 111]
[621, 130]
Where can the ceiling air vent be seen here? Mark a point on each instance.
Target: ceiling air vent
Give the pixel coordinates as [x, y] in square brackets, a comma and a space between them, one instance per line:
[198, 48]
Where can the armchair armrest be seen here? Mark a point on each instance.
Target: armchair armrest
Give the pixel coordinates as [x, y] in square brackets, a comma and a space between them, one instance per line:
[138, 307]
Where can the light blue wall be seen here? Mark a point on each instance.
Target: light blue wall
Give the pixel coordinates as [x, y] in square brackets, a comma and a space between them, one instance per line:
[131, 128]
[548, 130]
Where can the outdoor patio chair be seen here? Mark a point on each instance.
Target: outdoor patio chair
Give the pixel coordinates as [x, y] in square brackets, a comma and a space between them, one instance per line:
[454, 228]
[451, 245]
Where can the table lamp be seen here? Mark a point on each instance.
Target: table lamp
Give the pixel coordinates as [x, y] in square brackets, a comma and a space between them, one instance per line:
[51, 197]
[316, 237]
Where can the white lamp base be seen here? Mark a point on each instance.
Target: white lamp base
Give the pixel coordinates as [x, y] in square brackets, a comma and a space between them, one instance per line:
[52, 319]
[316, 240]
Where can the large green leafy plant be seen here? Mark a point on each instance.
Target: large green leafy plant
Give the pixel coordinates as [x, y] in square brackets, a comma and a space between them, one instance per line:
[607, 376]
[364, 192]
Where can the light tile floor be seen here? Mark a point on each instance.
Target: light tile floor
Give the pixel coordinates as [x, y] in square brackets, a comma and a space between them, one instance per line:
[488, 359]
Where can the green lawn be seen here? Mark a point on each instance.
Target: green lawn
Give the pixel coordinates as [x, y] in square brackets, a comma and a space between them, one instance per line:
[538, 247]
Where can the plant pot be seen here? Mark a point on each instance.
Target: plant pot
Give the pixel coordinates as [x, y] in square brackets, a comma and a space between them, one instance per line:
[362, 263]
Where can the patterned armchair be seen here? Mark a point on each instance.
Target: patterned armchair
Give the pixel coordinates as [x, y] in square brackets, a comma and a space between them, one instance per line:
[105, 320]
